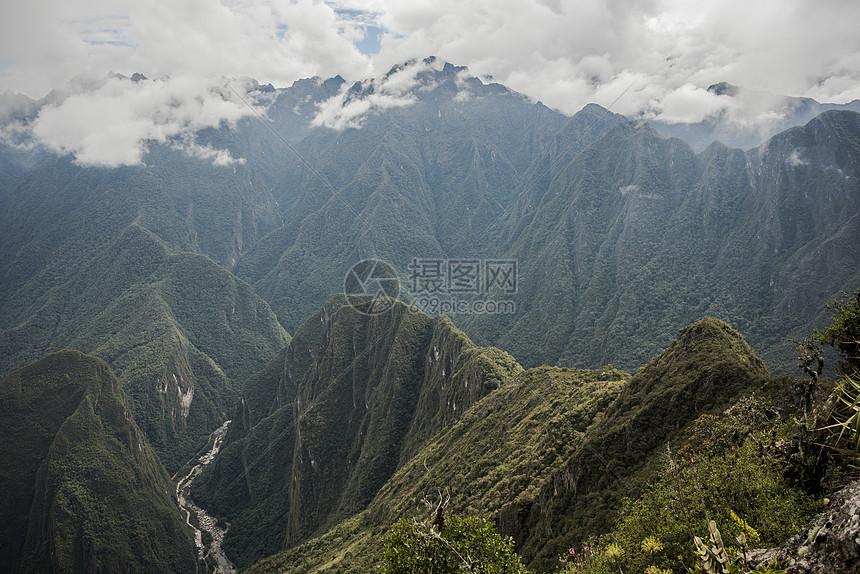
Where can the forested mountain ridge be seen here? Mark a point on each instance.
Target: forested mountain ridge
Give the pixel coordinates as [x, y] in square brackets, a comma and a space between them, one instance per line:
[640, 234]
[320, 430]
[181, 275]
[83, 490]
[622, 233]
[548, 454]
[423, 180]
[180, 332]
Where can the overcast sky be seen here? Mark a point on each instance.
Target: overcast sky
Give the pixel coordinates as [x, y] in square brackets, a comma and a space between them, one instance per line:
[658, 56]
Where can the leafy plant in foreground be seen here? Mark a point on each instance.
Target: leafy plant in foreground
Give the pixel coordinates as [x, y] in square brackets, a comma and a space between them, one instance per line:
[847, 413]
[730, 473]
[843, 334]
[448, 544]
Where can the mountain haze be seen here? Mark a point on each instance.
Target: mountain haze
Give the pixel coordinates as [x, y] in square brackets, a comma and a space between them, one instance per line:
[749, 118]
[639, 234]
[620, 235]
[143, 306]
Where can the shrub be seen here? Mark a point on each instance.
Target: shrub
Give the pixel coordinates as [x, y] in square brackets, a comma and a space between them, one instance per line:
[732, 473]
[448, 544]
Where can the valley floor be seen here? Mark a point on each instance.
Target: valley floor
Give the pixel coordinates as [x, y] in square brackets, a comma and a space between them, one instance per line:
[204, 519]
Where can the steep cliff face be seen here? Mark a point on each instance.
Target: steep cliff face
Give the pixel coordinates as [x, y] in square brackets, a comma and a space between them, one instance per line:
[419, 181]
[329, 421]
[797, 224]
[637, 235]
[550, 453]
[84, 491]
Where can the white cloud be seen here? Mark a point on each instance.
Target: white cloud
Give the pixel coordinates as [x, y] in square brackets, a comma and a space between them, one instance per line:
[218, 157]
[655, 57]
[48, 42]
[347, 109]
[568, 54]
[690, 104]
[112, 123]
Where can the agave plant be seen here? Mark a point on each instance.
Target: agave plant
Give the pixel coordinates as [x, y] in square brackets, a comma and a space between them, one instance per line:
[848, 420]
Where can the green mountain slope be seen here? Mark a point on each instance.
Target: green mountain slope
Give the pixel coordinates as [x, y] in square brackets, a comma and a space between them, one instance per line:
[180, 332]
[595, 278]
[704, 370]
[798, 230]
[550, 453]
[620, 234]
[83, 490]
[427, 180]
[329, 421]
[638, 234]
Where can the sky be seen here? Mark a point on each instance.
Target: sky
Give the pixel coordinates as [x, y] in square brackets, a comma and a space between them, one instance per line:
[651, 57]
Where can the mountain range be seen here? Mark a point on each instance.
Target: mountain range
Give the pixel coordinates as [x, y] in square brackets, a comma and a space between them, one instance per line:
[179, 281]
[547, 452]
[619, 234]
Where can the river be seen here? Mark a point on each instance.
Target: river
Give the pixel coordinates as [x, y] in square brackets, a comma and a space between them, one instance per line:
[204, 519]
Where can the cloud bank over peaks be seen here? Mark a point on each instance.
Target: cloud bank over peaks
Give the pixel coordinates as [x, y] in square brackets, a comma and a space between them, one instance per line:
[397, 88]
[113, 121]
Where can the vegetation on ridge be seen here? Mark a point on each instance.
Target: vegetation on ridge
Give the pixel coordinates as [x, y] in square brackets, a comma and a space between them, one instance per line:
[542, 454]
[325, 425]
[620, 236]
[180, 332]
[83, 490]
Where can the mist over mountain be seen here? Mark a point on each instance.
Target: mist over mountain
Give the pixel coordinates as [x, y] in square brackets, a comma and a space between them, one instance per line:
[639, 233]
[620, 234]
[746, 119]
[175, 231]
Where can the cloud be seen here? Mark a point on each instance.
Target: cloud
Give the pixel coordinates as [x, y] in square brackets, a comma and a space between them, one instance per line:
[218, 157]
[48, 42]
[689, 104]
[114, 122]
[348, 108]
[661, 55]
[650, 57]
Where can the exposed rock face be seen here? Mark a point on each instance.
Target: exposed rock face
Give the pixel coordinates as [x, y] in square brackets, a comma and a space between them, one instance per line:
[829, 543]
[323, 427]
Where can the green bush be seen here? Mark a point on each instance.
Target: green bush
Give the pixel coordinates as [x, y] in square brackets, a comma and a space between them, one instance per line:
[448, 545]
[843, 334]
[731, 472]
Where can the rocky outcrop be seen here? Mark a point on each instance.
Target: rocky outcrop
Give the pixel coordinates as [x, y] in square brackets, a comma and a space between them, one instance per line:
[829, 543]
